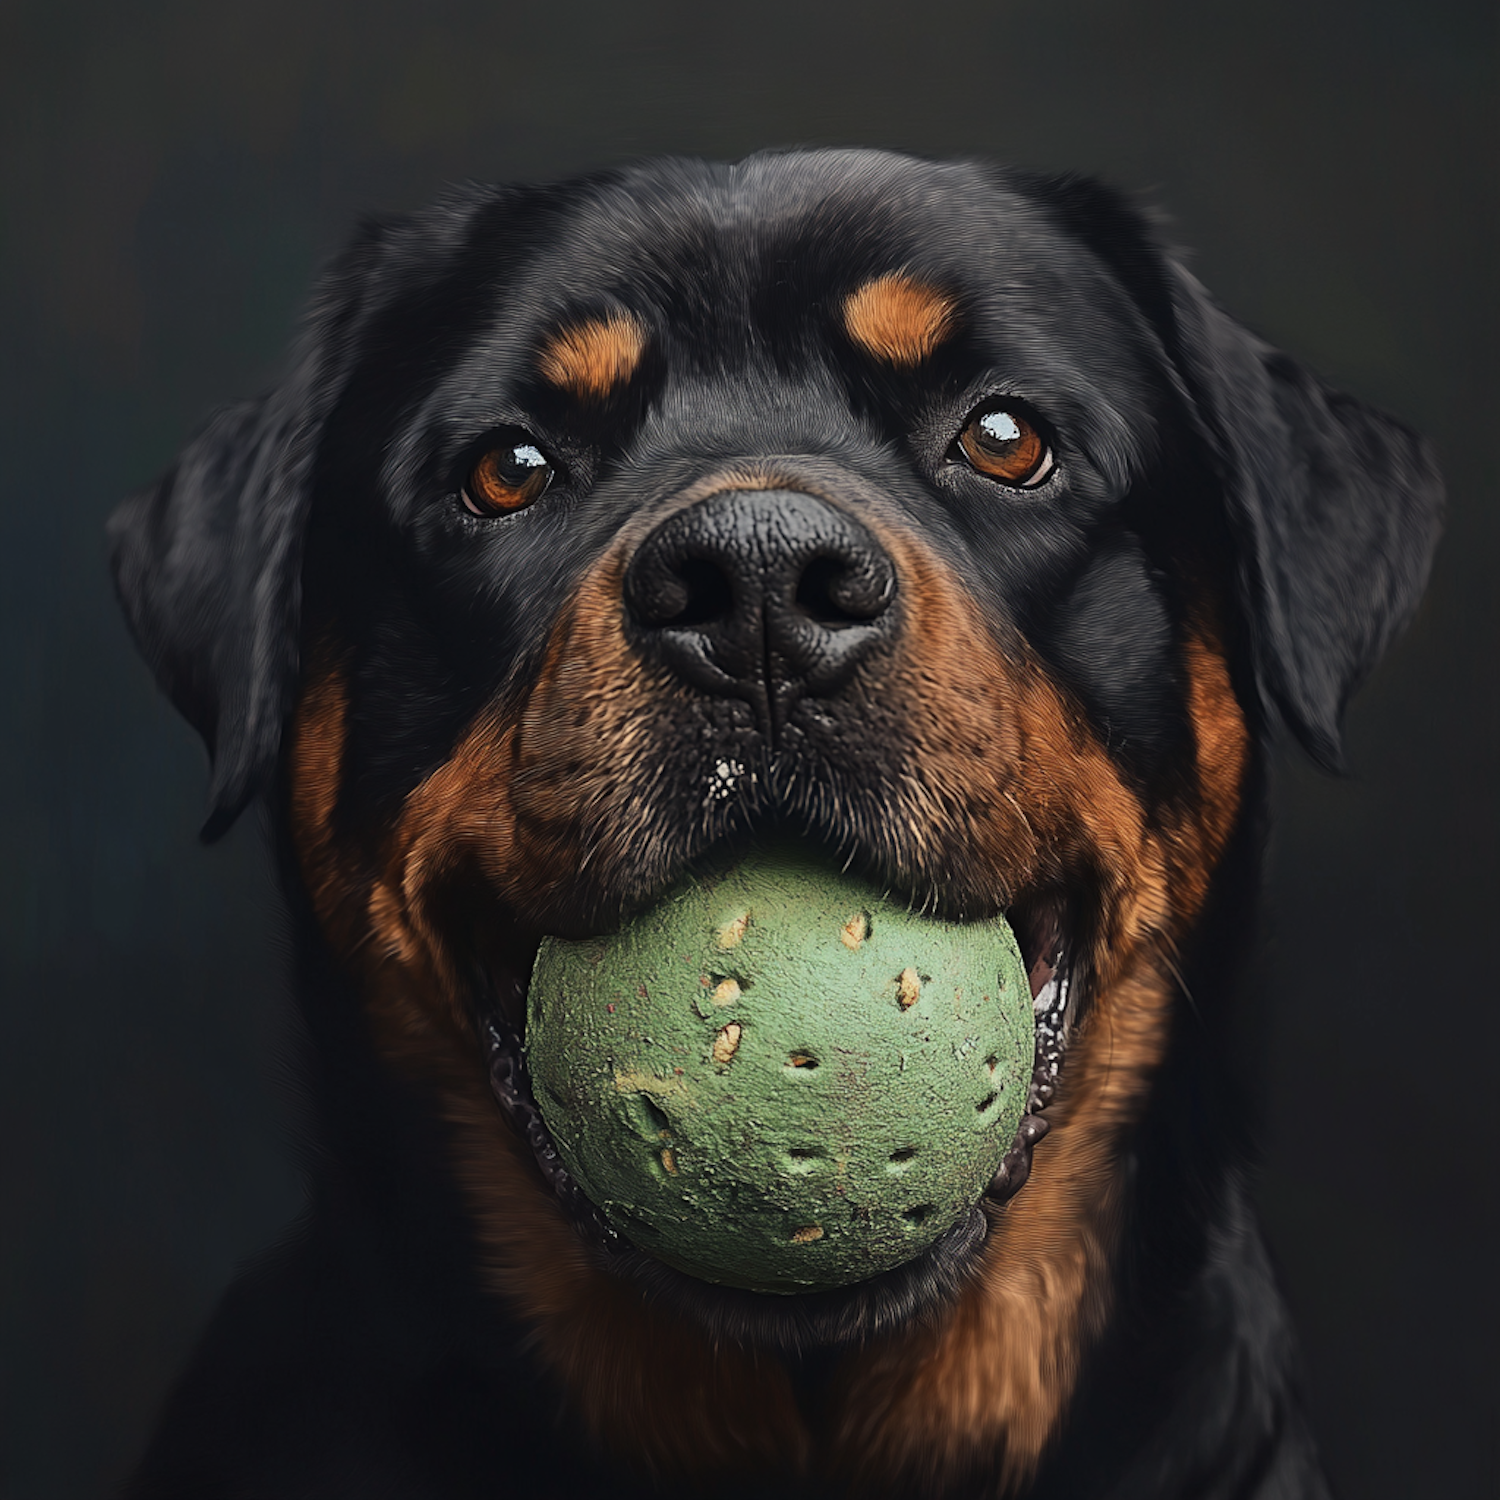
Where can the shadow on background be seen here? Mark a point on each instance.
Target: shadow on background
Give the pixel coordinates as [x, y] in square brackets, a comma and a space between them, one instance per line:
[173, 174]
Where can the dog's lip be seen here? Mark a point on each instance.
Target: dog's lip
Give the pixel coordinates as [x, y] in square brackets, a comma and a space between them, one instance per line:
[1043, 933]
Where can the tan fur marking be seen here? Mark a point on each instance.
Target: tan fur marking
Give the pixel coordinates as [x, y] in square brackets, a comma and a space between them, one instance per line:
[317, 767]
[591, 359]
[1219, 726]
[318, 732]
[899, 319]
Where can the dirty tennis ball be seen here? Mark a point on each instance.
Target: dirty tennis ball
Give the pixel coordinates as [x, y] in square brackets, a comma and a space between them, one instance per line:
[777, 1078]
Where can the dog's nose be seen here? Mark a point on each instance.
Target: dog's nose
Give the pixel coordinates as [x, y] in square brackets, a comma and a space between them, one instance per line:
[766, 595]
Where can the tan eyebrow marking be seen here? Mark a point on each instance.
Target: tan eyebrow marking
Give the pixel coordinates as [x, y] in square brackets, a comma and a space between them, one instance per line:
[592, 358]
[899, 319]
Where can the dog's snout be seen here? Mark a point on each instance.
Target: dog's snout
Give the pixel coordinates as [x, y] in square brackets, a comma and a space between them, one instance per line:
[761, 594]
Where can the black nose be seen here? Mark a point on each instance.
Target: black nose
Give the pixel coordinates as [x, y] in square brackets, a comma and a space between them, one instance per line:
[766, 595]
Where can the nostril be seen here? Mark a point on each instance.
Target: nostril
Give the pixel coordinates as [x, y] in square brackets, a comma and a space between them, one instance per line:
[815, 591]
[708, 593]
[686, 591]
[839, 591]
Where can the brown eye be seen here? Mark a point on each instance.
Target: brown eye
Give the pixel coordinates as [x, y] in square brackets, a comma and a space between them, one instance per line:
[509, 477]
[1003, 445]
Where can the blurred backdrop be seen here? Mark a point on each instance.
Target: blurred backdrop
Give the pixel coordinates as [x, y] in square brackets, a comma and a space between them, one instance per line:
[173, 173]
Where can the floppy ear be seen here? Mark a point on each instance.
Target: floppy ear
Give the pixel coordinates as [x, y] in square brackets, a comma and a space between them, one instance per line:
[207, 562]
[1334, 507]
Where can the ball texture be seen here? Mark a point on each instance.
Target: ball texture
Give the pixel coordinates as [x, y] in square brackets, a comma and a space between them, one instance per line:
[778, 1079]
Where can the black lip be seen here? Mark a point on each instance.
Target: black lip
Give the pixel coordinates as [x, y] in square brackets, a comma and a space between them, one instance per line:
[914, 1289]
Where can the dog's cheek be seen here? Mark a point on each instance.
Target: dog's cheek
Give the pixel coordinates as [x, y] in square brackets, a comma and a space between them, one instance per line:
[588, 743]
[646, 1385]
[996, 1375]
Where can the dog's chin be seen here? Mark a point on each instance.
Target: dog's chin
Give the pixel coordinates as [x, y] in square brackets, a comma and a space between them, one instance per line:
[915, 1290]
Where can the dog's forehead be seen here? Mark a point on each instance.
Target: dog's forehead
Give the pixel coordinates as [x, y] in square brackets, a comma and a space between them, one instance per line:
[850, 210]
[709, 250]
[793, 269]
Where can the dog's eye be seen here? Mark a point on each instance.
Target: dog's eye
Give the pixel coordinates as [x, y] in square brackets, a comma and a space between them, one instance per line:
[1003, 445]
[508, 477]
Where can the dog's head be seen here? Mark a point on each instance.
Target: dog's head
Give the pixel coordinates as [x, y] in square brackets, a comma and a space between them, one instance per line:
[932, 514]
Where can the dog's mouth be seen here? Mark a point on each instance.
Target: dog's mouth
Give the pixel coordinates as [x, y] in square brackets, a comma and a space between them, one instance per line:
[1046, 931]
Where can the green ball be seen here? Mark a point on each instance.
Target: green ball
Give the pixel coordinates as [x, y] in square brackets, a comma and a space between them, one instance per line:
[776, 1078]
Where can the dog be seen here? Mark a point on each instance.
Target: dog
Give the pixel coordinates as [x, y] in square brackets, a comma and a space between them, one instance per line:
[928, 513]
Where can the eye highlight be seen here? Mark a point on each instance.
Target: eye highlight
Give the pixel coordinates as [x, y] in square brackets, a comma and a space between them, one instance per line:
[1002, 444]
[508, 477]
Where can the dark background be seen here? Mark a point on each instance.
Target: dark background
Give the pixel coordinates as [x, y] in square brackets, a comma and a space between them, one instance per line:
[173, 174]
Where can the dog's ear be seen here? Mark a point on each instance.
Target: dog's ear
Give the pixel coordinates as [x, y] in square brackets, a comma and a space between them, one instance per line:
[1333, 506]
[207, 561]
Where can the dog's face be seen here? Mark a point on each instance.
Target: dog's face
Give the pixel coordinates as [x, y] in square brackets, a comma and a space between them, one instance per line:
[931, 516]
[755, 496]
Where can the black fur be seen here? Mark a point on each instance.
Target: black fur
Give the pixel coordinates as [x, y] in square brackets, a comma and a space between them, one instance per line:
[1194, 462]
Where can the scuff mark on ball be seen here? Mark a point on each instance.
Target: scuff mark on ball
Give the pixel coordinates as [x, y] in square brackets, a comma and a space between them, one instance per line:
[726, 1044]
[908, 988]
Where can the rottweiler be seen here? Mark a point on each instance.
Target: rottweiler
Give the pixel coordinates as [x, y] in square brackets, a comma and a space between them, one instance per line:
[926, 513]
